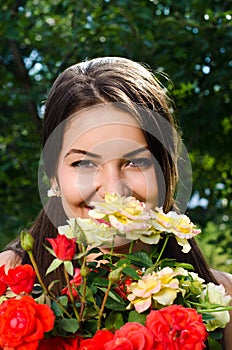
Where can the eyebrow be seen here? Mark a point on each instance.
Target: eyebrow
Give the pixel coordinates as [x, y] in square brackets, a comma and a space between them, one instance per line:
[80, 151]
[94, 155]
[133, 153]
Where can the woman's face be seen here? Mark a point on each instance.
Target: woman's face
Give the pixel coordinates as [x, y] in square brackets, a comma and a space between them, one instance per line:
[104, 150]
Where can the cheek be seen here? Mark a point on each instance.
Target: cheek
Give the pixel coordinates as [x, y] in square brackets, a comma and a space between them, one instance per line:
[144, 185]
[151, 186]
[152, 189]
[75, 187]
[69, 184]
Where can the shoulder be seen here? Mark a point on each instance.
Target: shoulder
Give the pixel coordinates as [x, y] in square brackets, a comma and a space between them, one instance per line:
[225, 279]
[10, 259]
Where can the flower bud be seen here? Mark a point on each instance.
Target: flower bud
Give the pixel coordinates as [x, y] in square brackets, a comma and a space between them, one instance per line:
[114, 276]
[27, 241]
[84, 271]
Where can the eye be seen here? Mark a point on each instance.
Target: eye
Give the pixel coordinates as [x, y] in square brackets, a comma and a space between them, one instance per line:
[143, 163]
[83, 164]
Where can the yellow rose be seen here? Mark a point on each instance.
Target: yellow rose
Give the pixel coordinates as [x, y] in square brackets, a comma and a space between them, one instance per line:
[179, 225]
[126, 214]
[159, 287]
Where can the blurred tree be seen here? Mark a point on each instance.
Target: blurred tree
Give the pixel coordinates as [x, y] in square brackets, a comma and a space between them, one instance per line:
[190, 40]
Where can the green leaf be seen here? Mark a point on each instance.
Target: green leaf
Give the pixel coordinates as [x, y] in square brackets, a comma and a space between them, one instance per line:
[91, 327]
[93, 289]
[134, 316]
[185, 266]
[129, 271]
[50, 250]
[70, 325]
[173, 263]
[100, 281]
[113, 305]
[68, 267]
[57, 309]
[140, 259]
[54, 265]
[207, 317]
[63, 300]
[89, 294]
[93, 251]
[91, 312]
[213, 344]
[123, 261]
[115, 297]
[114, 321]
[216, 335]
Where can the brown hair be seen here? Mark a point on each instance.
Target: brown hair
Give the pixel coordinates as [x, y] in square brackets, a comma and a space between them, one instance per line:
[113, 79]
[104, 80]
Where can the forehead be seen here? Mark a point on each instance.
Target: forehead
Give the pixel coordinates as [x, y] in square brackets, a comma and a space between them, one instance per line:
[103, 128]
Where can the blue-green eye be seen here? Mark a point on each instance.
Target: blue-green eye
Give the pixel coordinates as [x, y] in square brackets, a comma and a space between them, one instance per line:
[83, 164]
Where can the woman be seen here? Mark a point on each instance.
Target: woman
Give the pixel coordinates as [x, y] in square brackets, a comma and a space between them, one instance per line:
[108, 127]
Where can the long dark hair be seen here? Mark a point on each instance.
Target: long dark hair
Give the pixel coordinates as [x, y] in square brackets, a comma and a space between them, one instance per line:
[108, 80]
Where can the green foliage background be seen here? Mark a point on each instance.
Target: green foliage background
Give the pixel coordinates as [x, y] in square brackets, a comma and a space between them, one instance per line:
[190, 40]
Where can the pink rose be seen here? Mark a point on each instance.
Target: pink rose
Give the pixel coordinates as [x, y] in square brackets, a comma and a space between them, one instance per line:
[131, 336]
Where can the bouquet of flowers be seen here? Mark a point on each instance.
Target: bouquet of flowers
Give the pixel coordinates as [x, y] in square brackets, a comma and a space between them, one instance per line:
[113, 301]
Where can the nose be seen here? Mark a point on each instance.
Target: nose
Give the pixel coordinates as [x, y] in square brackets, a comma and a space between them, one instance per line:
[110, 178]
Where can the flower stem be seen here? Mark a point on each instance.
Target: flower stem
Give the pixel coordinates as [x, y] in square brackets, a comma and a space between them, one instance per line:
[216, 308]
[161, 252]
[153, 267]
[131, 247]
[71, 295]
[83, 298]
[45, 289]
[37, 272]
[103, 305]
[111, 253]
[220, 309]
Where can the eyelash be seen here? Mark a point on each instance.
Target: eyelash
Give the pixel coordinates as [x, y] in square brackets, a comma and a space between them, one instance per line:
[83, 164]
[140, 163]
[133, 163]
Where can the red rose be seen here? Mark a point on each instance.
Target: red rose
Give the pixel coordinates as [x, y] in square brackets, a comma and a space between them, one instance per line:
[3, 285]
[98, 341]
[23, 323]
[59, 343]
[131, 336]
[21, 279]
[176, 327]
[77, 278]
[64, 248]
[122, 289]
[120, 344]
[75, 282]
